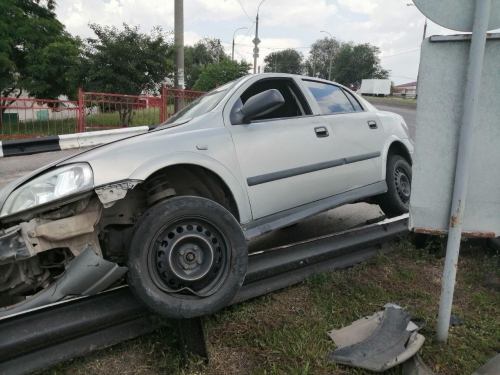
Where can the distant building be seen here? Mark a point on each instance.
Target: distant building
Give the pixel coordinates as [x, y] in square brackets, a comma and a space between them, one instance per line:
[408, 89]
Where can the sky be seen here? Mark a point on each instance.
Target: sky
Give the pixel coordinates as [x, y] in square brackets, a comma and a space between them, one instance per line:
[392, 25]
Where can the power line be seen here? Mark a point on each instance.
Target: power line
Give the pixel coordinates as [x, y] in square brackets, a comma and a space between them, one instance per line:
[402, 53]
[241, 5]
[398, 76]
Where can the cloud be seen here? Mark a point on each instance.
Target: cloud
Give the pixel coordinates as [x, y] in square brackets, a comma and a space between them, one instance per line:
[359, 6]
[389, 24]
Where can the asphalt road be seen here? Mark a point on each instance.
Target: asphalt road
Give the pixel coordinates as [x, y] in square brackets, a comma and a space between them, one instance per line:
[335, 220]
[410, 116]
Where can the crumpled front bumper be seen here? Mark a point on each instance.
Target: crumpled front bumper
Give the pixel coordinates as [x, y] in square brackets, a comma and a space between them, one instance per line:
[86, 274]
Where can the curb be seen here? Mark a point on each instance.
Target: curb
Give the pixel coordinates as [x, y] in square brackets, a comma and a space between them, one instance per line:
[68, 141]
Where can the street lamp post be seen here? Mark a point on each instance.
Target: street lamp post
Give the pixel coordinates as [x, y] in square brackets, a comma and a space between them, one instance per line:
[232, 56]
[256, 41]
[331, 56]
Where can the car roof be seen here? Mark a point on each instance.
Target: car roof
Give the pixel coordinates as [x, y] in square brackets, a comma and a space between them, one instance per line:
[300, 76]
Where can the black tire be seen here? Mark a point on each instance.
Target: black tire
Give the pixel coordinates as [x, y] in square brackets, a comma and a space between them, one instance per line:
[396, 201]
[187, 242]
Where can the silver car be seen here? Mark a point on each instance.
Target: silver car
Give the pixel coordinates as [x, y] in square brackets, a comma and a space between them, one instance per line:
[175, 207]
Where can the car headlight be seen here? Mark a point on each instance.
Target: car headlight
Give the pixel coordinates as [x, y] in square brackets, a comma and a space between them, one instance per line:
[59, 183]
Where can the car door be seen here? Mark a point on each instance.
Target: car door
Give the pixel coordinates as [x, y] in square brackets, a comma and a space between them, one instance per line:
[359, 134]
[285, 156]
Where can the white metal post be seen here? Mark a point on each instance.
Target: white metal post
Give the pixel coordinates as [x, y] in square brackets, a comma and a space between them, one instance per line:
[476, 57]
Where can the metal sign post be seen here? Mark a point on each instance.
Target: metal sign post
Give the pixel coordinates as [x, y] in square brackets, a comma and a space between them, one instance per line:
[473, 86]
[477, 16]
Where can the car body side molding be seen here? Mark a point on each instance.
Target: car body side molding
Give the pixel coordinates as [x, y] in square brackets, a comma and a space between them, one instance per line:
[274, 176]
[282, 219]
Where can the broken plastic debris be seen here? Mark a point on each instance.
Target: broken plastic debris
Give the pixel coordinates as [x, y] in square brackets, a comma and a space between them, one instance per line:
[377, 342]
[490, 368]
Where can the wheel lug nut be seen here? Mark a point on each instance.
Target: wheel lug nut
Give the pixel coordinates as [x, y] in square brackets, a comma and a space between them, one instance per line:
[185, 267]
[195, 248]
[182, 252]
[199, 261]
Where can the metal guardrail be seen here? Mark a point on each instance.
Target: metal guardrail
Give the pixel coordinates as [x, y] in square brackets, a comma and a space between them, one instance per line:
[40, 338]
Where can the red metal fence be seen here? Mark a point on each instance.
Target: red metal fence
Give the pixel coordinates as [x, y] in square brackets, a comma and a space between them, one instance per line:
[28, 118]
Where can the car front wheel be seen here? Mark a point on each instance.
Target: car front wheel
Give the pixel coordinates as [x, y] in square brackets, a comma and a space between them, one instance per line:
[187, 258]
[396, 201]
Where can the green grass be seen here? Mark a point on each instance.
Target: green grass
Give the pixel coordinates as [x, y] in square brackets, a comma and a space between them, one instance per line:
[140, 117]
[285, 332]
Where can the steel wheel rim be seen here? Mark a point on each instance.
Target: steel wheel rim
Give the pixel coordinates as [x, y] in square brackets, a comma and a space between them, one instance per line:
[189, 257]
[403, 184]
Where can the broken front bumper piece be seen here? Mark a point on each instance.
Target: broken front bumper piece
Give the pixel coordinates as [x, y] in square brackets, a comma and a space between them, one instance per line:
[377, 342]
[86, 275]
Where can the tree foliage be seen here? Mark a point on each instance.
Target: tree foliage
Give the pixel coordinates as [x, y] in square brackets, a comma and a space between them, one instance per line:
[351, 63]
[354, 63]
[286, 61]
[205, 52]
[220, 73]
[125, 62]
[318, 63]
[37, 55]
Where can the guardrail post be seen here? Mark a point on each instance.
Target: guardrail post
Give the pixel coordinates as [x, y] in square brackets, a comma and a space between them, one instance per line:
[192, 339]
[81, 112]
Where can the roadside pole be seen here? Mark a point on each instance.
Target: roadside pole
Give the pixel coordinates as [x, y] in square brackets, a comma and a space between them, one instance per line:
[476, 58]
[241, 28]
[179, 52]
[256, 42]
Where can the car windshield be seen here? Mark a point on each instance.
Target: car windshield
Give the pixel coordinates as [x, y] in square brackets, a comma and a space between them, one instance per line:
[201, 105]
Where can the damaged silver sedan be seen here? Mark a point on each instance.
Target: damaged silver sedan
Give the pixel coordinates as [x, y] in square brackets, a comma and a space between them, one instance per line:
[174, 208]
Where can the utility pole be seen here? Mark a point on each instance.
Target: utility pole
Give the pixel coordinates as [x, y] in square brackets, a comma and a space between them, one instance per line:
[179, 52]
[232, 56]
[256, 41]
[331, 56]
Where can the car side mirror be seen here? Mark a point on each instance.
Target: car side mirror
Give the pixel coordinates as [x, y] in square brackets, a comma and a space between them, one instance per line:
[257, 105]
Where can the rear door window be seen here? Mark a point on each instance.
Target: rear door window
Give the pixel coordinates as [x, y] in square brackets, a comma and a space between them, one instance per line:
[331, 99]
[354, 101]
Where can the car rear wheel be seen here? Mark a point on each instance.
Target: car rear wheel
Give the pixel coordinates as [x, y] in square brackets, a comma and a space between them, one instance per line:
[187, 258]
[396, 201]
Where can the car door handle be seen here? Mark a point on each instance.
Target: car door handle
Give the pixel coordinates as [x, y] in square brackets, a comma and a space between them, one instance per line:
[372, 124]
[321, 132]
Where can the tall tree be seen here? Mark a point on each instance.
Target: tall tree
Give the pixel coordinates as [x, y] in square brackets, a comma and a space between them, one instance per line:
[286, 61]
[322, 50]
[354, 63]
[125, 62]
[220, 73]
[205, 52]
[37, 55]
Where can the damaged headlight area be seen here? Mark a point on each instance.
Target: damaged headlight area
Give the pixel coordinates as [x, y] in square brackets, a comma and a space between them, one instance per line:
[59, 183]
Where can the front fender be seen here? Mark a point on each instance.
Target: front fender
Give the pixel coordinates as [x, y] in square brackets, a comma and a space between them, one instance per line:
[389, 141]
[193, 158]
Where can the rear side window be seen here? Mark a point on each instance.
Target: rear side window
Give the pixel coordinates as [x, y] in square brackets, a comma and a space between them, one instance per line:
[354, 101]
[331, 99]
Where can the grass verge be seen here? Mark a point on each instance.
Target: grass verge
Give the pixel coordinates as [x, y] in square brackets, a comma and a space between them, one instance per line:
[285, 332]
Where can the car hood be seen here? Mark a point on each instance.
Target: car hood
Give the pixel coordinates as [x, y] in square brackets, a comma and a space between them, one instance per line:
[117, 160]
